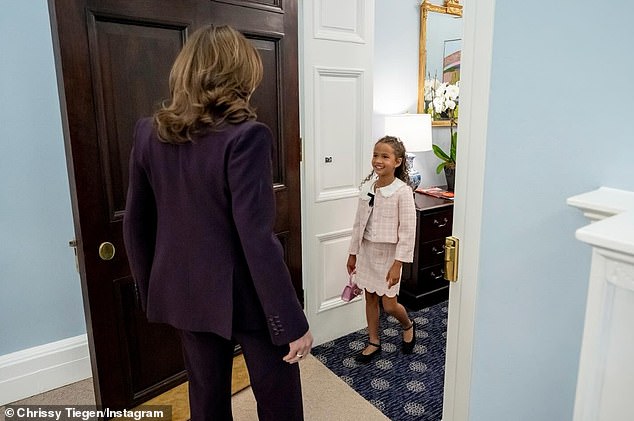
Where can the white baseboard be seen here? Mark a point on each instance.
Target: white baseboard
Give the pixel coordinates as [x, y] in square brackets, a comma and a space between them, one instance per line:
[42, 368]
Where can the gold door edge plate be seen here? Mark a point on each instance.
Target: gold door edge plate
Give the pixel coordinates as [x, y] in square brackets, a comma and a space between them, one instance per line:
[451, 258]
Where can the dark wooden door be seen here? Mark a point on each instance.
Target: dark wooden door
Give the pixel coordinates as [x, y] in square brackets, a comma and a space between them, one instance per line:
[113, 59]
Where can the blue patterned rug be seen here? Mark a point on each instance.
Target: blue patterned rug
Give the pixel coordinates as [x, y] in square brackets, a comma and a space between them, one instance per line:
[403, 387]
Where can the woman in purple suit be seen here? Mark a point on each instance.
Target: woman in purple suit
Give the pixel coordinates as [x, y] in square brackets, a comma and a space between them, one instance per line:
[198, 231]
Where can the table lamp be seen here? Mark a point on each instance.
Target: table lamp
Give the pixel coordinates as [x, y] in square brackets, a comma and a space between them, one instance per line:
[414, 130]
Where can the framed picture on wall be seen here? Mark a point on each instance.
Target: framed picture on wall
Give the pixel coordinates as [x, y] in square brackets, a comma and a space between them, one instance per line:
[451, 61]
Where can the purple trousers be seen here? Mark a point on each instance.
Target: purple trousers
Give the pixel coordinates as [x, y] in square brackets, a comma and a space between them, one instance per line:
[209, 359]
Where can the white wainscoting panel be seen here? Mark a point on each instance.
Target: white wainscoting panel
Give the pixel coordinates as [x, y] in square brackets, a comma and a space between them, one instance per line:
[340, 20]
[42, 368]
[333, 254]
[606, 364]
[338, 131]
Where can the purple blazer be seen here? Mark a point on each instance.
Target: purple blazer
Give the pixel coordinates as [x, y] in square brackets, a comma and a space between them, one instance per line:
[198, 230]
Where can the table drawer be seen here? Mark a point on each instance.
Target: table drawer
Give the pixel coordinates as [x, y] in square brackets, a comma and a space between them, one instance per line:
[429, 279]
[432, 277]
[431, 253]
[436, 224]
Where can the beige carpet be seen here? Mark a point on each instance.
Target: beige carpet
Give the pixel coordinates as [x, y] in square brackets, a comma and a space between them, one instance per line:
[326, 397]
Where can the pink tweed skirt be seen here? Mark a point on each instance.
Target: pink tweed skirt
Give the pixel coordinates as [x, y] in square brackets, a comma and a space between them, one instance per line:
[374, 260]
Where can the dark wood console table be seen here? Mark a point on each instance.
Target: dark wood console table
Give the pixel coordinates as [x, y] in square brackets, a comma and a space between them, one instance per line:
[422, 282]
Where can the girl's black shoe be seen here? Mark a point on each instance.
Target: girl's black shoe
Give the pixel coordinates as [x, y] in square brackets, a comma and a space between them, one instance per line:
[366, 358]
[408, 347]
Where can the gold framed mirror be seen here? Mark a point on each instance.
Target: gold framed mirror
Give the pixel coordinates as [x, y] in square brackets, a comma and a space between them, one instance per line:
[450, 9]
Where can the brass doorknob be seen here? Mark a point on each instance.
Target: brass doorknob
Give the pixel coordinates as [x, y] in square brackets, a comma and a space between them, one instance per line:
[106, 251]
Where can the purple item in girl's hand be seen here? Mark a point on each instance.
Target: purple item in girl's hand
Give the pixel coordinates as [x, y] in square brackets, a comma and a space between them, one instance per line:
[350, 291]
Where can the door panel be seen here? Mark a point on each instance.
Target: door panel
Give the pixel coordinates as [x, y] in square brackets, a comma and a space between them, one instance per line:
[268, 90]
[113, 61]
[114, 46]
[122, 56]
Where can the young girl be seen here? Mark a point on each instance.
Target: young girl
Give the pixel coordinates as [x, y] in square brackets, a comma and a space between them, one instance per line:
[382, 239]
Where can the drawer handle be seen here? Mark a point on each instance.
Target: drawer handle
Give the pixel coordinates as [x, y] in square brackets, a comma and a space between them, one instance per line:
[435, 250]
[437, 277]
[439, 225]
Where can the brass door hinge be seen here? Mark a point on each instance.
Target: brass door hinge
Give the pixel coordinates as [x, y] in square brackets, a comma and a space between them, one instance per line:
[301, 149]
[73, 243]
[451, 258]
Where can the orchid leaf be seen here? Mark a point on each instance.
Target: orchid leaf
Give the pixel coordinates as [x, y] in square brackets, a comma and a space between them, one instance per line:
[440, 153]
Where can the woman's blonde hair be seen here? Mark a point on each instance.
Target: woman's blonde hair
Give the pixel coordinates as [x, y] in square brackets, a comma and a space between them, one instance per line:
[211, 82]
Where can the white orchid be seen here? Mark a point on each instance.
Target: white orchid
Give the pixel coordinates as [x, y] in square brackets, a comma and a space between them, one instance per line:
[452, 91]
[445, 97]
[443, 104]
[431, 85]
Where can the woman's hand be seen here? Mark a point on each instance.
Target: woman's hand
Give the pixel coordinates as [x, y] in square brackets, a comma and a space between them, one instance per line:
[299, 349]
[351, 265]
[394, 274]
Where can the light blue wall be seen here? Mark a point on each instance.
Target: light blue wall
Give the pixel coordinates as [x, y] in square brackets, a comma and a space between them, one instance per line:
[41, 295]
[560, 105]
[395, 64]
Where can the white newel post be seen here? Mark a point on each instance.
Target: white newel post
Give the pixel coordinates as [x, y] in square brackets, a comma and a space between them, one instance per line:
[606, 368]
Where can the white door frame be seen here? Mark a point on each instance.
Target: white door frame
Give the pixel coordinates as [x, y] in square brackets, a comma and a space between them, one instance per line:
[472, 124]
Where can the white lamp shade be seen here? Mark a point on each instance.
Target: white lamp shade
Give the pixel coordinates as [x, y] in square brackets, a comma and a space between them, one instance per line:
[414, 130]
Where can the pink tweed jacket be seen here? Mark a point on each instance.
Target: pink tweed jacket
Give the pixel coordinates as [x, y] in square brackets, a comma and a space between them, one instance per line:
[394, 221]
